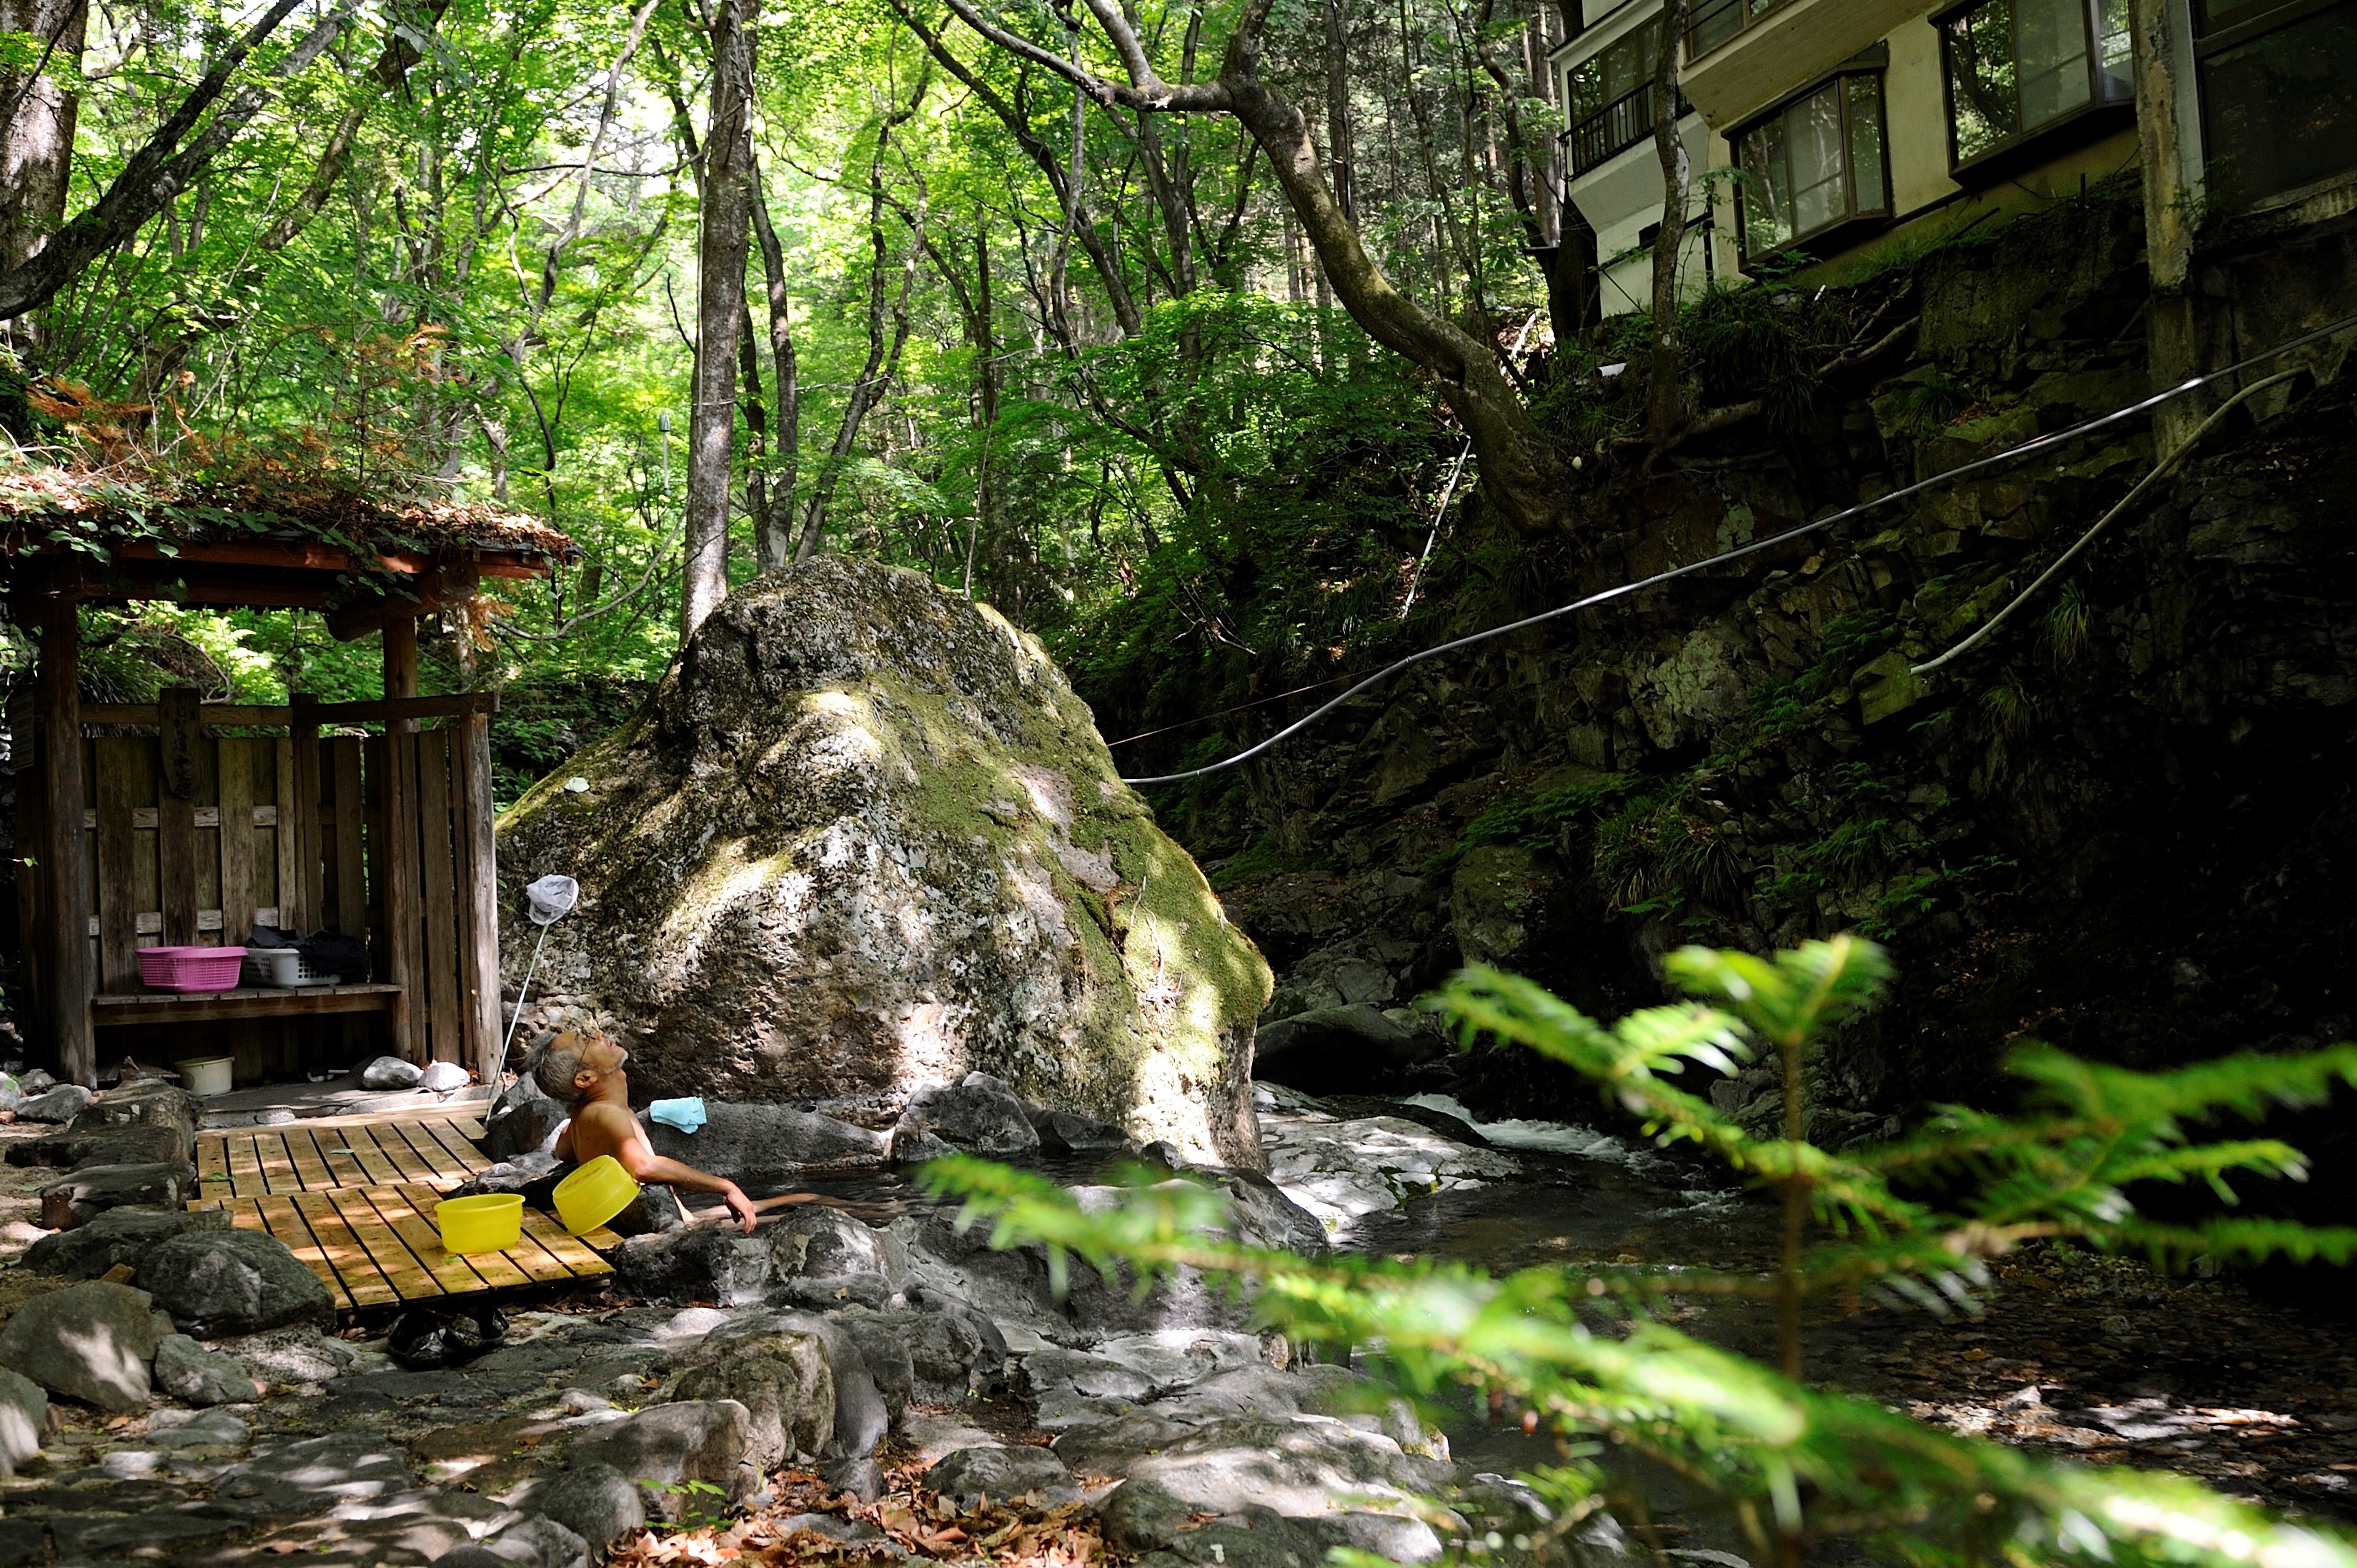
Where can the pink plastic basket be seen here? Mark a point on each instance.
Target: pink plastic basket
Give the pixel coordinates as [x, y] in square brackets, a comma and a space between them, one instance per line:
[191, 969]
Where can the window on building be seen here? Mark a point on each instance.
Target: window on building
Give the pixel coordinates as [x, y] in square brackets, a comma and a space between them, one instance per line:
[1710, 22]
[2018, 67]
[2279, 94]
[1610, 95]
[1813, 164]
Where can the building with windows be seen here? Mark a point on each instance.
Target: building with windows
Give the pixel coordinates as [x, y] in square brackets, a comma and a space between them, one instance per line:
[1851, 119]
[1604, 77]
[1832, 132]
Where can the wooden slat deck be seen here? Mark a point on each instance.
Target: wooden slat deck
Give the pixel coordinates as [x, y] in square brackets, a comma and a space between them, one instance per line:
[318, 1155]
[375, 1246]
[354, 1198]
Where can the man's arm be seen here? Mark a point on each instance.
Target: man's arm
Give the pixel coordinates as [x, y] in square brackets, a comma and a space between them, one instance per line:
[616, 1132]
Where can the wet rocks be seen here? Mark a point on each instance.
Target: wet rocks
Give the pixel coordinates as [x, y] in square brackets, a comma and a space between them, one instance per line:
[1338, 1050]
[978, 1115]
[60, 1104]
[194, 1375]
[863, 838]
[295, 1480]
[89, 1191]
[665, 1447]
[756, 1143]
[91, 1342]
[24, 1413]
[1068, 1132]
[1338, 1168]
[234, 1281]
[116, 1237]
[970, 1475]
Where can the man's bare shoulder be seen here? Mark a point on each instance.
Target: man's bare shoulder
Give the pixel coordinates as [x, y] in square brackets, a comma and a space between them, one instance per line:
[604, 1128]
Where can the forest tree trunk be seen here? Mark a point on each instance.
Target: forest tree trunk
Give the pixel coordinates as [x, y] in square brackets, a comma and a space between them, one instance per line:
[36, 142]
[1666, 400]
[773, 520]
[726, 223]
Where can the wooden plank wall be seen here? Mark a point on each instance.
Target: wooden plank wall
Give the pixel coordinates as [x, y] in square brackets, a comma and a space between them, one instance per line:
[447, 983]
[293, 832]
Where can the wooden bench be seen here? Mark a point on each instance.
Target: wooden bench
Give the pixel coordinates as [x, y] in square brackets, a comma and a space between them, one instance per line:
[110, 1007]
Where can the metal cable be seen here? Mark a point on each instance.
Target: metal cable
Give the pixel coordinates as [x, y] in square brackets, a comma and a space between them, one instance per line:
[1978, 465]
[1988, 627]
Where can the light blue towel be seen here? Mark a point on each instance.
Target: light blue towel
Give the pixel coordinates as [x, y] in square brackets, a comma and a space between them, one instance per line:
[686, 1116]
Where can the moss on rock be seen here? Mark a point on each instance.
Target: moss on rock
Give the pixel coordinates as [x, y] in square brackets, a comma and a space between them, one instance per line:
[864, 837]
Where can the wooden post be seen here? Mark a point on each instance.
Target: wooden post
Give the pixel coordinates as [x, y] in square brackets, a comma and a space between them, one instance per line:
[237, 801]
[399, 791]
[478, 897]
[32, 865]
[67, 871]
[298, 906]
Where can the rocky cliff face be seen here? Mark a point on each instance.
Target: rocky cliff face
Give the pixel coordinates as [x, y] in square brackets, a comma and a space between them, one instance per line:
[864, 839]
[2123, 826]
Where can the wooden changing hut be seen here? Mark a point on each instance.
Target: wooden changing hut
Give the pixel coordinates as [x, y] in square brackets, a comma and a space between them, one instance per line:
[374, 818]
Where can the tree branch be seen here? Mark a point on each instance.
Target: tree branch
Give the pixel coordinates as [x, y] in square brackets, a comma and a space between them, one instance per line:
[156, 174]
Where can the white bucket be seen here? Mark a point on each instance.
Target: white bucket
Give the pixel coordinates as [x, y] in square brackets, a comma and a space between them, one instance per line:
[206, 1075]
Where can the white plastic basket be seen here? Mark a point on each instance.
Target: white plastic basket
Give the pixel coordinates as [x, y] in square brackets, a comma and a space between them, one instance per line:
[284, 968]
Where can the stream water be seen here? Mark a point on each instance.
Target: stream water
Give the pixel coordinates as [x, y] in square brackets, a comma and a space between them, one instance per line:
[2096, 1358]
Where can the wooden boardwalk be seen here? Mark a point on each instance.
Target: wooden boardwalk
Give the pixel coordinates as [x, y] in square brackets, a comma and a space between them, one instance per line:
[325, 1153]
[354, 1198]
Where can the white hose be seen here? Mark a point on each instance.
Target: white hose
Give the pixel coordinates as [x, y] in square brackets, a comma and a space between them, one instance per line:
[2026, 449]
[1988, 627]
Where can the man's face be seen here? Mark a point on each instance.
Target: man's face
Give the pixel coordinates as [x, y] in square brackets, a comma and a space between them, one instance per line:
[604, 1059]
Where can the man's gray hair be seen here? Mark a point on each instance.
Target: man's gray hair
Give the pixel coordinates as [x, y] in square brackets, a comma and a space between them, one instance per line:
[554, 1064]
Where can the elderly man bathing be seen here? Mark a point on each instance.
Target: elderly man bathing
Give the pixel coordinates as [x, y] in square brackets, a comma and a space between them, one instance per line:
[583, 1072]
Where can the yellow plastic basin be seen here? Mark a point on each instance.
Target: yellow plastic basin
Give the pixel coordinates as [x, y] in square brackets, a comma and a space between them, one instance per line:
[594, 1194]
[491, 1223]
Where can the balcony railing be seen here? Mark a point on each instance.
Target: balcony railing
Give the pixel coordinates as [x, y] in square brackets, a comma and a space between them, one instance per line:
[1615, 128]
[1713, 22]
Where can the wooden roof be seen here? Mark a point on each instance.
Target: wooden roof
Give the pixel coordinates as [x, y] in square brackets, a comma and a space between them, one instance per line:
[144, 530]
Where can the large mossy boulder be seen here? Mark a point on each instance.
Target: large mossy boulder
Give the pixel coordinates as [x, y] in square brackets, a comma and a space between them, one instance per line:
[863, 840]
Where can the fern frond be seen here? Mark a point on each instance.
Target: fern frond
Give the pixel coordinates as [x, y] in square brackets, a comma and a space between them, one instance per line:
[1795, 995]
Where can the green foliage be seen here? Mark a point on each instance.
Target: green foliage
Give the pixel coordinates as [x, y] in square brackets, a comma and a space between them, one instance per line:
[1928, 401]
[1591, 1352]
[2069, 625]
[1543, 818]
[1748, 343]
[1656, 851]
